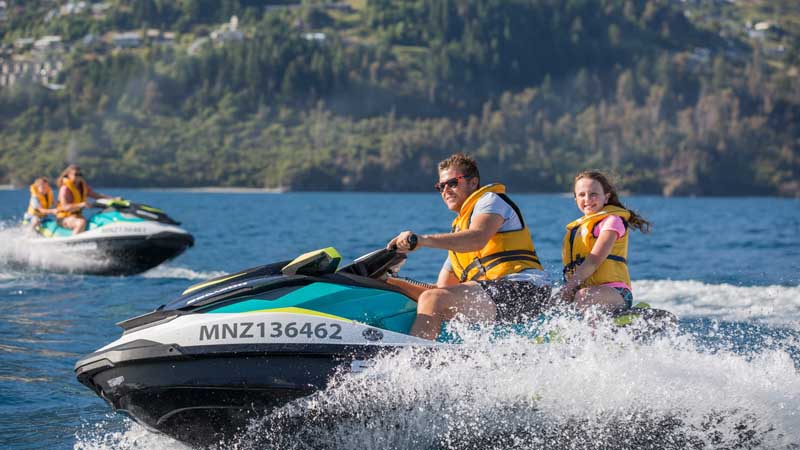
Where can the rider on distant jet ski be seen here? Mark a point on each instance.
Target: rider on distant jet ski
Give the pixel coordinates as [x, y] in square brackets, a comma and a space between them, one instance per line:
[492, 272]
[41, 203]
[73, 193]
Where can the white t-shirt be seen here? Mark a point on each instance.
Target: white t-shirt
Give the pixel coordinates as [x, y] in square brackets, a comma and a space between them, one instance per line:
[491, 203]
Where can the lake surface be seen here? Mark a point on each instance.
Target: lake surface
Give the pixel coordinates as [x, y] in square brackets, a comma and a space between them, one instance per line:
[729, 268]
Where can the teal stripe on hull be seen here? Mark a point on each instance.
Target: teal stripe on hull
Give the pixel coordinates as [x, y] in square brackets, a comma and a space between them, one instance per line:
[50, 227]
[385, 309]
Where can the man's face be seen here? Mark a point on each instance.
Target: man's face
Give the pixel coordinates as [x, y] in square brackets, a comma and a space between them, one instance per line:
[455, 188]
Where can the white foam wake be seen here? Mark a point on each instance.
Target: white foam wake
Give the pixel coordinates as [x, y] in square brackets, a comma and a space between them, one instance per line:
[20, 251]
[775, 305]
[110, 435]
[166, 271]
[591, 391]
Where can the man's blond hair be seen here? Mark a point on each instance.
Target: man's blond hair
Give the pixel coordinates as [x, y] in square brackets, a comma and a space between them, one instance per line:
[463, 163]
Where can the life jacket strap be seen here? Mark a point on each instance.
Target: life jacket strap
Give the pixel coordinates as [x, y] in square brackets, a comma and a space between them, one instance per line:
[617, 259]
[487, 262]
[570, 268]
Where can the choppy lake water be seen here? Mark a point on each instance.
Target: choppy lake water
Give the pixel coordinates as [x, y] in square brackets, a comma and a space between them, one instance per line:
[729, 268]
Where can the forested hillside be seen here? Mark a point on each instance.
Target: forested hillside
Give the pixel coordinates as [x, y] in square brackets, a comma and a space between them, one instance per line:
[676, 98]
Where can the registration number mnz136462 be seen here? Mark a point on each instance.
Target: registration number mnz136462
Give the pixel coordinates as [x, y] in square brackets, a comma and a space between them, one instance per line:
[263, 330]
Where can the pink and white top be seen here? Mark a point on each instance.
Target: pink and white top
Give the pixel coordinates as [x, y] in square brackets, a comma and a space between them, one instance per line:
[615, 224]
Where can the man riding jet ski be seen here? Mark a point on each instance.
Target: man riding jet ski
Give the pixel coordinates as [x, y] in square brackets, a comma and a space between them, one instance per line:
[226, 350]
[125, 238]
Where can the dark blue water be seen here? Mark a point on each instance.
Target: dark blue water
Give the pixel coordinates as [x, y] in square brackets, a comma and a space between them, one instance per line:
[730, 268]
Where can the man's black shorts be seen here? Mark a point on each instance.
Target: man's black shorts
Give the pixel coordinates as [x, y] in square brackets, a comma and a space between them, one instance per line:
[516, 300]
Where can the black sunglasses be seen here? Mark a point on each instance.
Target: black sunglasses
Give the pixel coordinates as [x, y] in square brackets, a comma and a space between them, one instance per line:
[451, 183]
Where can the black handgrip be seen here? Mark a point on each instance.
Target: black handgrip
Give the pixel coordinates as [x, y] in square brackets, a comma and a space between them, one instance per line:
[412, 241]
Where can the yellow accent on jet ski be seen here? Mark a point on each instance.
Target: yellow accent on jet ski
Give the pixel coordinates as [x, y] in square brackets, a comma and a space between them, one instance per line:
[150, 209]
[330, 254]
[323, 260]
[303, 311]
[197, 286]
[118, 202]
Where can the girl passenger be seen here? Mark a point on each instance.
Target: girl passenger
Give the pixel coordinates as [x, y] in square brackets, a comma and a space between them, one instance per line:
[595, 247]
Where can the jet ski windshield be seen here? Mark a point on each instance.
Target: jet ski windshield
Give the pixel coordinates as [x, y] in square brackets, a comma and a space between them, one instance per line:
[137, 209]
[376, 264]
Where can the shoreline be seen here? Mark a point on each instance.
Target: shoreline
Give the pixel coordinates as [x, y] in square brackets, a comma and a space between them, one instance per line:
[217, 190]
[283, 190]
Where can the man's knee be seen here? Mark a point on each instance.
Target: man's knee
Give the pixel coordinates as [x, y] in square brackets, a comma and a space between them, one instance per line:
[433, 302]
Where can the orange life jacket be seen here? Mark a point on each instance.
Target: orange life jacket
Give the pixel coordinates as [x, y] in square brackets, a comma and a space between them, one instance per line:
[506, 252]
[45, 201]
[579, 241]
[78, 196]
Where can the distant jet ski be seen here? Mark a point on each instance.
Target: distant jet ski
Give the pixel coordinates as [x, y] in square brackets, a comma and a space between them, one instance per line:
[201, 366]
[125, 238]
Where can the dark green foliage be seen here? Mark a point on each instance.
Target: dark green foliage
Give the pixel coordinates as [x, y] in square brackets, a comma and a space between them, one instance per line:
[536, 89]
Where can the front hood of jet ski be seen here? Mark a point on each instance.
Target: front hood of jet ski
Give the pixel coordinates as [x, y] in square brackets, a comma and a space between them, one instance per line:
[184, 371]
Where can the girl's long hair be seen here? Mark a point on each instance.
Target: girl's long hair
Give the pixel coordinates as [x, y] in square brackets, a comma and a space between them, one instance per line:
[635, 221]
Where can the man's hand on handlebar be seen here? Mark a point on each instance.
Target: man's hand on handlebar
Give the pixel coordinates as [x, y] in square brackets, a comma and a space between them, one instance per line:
[404, 242]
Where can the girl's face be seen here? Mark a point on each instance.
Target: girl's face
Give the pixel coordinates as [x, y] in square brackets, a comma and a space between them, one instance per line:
[589, 196]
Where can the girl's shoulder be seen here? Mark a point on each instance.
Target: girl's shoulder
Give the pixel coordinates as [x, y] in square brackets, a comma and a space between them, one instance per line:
[611, 222]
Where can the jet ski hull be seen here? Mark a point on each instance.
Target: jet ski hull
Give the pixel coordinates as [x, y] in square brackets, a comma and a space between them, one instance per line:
[233, 348]
[123, 255]
[204, 395]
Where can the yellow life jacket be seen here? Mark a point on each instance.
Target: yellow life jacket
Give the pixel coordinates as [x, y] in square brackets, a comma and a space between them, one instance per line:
[578, 243]
[45, 201]
[506, 252]
[77, 197]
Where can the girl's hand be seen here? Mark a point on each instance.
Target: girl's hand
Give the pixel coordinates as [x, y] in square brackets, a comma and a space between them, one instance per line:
[568, 291]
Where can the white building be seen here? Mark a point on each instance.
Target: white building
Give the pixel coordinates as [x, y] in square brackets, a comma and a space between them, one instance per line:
[228, 32]
[127, 39]
[48, 43]
[73, 8]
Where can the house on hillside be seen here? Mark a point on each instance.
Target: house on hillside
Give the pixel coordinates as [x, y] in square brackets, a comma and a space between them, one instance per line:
[228, 32]
[127, 39]
[23, 44]
[3, 8]
[41, 70]
[160, 37]
[48, 44]
[99, 10]
[764, 29]
[315, 37]
[70, 8]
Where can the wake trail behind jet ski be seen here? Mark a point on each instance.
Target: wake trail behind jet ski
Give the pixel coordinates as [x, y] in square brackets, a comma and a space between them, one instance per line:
[597, 389]
[18, 253]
